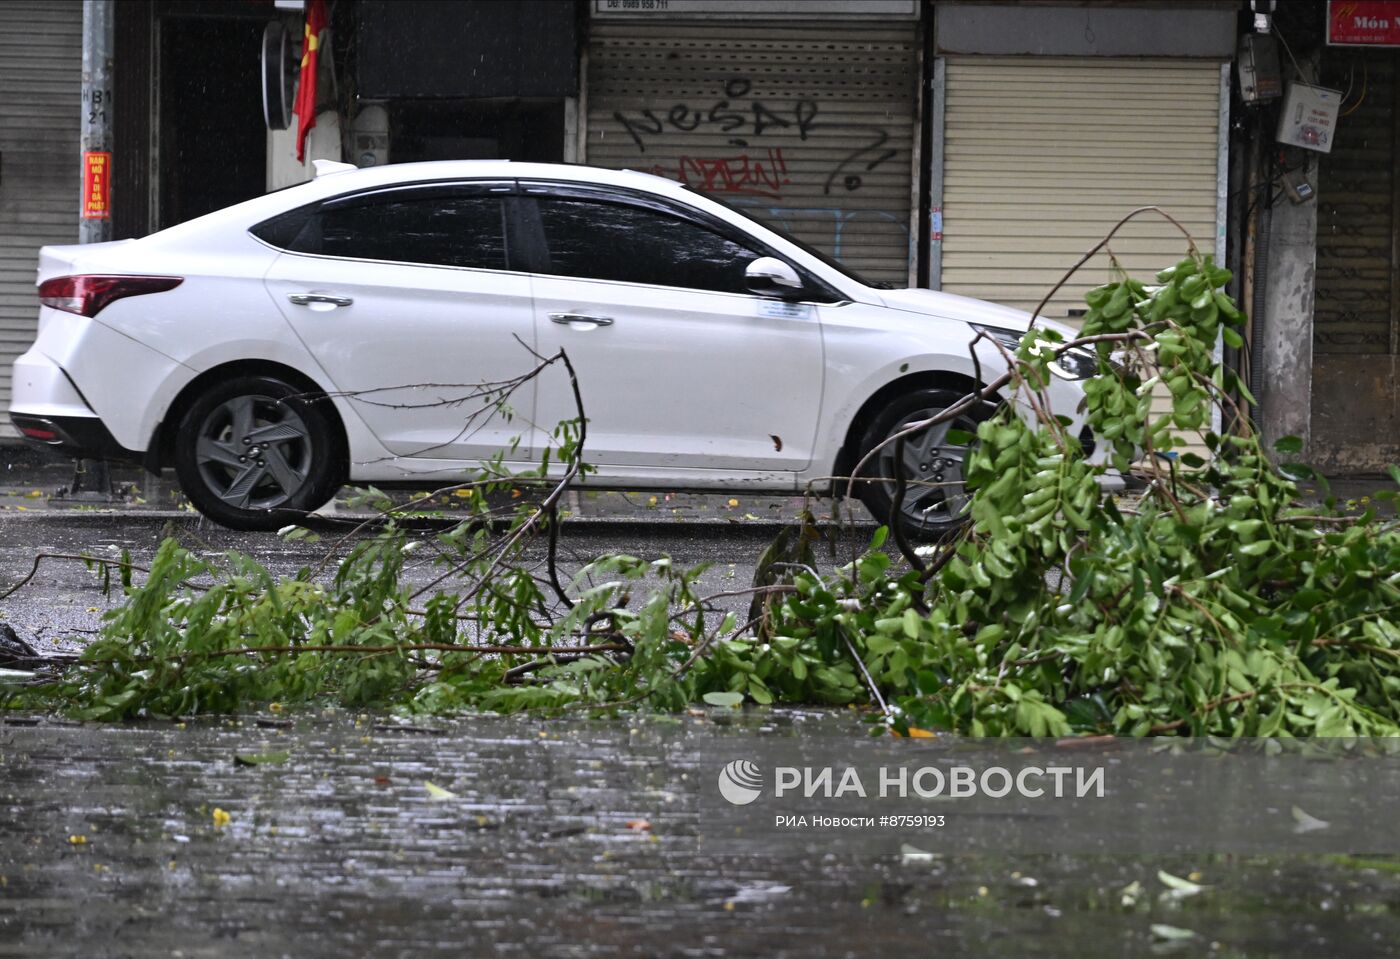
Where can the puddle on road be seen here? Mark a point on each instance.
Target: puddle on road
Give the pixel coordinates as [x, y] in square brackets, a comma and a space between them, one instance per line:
[561, 838]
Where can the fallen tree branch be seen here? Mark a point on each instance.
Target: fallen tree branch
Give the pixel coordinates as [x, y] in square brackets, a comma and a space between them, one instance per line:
[406, 648]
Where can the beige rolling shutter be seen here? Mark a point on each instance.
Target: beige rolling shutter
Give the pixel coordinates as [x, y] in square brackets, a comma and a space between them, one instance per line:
[1043, 156]
[40, 80]
[809, 124]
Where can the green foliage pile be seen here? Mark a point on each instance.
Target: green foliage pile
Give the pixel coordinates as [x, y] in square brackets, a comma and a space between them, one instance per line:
[1215, 605]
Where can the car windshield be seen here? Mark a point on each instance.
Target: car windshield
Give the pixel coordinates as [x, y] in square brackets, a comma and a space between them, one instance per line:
[826, 258]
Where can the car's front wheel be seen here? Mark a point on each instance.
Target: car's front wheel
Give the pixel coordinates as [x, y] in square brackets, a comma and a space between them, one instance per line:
[256, 452]
[936, 500]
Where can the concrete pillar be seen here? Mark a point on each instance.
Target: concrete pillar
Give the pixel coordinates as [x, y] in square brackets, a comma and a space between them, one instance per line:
[1290, 290]
[99, 31]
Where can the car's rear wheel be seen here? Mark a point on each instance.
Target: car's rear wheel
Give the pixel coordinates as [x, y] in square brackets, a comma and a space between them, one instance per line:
[256, 452]
[936, 501]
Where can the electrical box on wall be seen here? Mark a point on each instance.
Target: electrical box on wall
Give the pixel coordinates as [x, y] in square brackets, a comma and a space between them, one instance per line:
[1309, 117]
[1257, 64]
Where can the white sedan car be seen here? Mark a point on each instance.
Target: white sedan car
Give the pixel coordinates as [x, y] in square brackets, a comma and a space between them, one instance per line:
[274, 350]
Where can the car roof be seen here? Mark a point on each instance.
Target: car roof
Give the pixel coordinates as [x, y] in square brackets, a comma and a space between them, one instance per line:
[337, 181]
[454, 169]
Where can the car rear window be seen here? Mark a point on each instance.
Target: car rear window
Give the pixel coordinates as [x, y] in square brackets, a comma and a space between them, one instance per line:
[436, 228]
[282, 231]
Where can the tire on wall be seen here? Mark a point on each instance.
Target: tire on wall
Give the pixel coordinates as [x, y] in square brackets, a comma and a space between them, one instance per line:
[935, 501]
[257, 453]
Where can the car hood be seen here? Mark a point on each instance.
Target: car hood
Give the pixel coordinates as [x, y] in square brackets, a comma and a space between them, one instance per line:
[965, 308]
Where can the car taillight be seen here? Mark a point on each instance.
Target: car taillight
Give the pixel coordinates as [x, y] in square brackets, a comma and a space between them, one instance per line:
[88, 295]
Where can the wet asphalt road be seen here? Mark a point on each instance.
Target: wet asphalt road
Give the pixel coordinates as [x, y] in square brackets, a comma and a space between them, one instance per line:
[565, 838]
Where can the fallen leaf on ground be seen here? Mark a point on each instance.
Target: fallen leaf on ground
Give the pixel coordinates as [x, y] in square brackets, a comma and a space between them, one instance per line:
[1307, 823]
[911, 854]
[1180, 888]
[437, 792]
[1172, 933]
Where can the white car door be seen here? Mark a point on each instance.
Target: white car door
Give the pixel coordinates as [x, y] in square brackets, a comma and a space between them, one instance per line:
[406, 298]
[681, 370]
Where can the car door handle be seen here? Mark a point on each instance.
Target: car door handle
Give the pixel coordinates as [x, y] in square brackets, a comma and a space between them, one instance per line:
[582, 319]
[302, 299]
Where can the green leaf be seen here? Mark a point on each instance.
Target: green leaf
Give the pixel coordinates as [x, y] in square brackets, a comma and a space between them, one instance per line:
[724, 700]
[1289, 444]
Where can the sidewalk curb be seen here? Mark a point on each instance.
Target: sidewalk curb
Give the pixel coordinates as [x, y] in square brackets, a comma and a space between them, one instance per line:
[346, 521]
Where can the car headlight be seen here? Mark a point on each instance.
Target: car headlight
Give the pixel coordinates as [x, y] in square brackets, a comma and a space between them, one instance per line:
[1007, 338]
[1075, 364]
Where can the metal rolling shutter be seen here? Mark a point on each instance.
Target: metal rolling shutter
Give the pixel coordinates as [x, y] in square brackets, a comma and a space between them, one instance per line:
[1356, 321]
[1043, 156]
[808, 124]
[40, 81]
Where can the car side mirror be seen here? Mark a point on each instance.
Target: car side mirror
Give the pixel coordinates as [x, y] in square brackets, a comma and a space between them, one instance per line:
[769, 276]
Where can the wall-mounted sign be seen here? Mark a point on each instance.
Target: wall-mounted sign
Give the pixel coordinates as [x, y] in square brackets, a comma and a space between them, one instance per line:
[759, 9]
[1363, 23]
[97, 186]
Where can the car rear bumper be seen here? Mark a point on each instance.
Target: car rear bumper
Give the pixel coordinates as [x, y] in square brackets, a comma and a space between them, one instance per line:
[80, 436]
[49, 411]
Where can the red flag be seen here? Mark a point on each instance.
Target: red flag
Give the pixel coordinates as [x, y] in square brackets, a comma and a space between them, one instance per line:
[305, 108]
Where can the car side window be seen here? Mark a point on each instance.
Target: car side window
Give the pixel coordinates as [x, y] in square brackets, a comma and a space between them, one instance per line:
[595, 239]
[436, 228]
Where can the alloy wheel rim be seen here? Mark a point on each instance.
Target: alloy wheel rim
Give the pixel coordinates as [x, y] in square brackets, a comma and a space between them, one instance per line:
[935, 490]
[254, 452]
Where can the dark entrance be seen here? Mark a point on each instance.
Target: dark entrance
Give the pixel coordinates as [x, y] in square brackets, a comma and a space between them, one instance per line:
[212, 142]
[477, 130]
[1356, 329]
